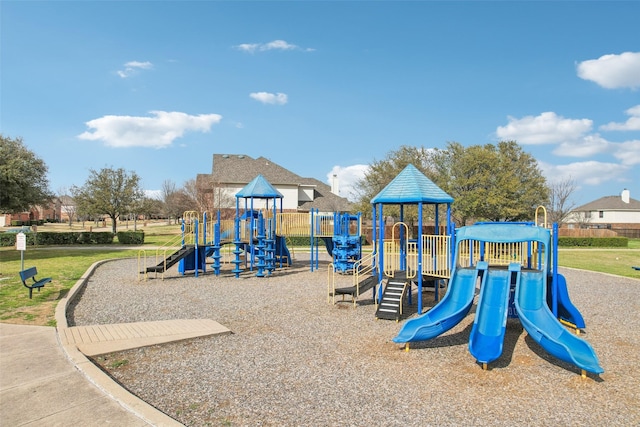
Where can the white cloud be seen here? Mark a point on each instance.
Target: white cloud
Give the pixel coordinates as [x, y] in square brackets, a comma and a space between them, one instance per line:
[612, 71]
[158, 131]
[270, 98]
[133, 67]
[347, 179]
[589, 172]
[586, 146]
[632, 123]
[628, 152]
[547, 128]
[272, 45]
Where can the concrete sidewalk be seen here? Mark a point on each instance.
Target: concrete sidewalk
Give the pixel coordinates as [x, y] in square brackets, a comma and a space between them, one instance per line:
[40, 386]
[47, 379]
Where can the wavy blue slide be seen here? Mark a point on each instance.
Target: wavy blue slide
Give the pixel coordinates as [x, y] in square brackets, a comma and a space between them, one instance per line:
[448, 312]
[566, 310]
[537, 319]
[490, 323]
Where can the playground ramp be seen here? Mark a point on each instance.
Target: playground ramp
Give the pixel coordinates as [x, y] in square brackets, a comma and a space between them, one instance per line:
[448, 312]
[355, 291]
[545, 329]
[490, 323]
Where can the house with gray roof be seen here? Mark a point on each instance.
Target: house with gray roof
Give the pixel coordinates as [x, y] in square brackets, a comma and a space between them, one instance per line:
[230, 173]
[613, 212]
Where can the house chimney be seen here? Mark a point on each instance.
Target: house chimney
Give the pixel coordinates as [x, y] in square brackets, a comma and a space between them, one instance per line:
[625, 195]
[335, 185]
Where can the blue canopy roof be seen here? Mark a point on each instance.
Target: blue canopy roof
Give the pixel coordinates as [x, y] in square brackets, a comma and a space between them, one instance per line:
[259, 188]
[411, 186]
[504, 233]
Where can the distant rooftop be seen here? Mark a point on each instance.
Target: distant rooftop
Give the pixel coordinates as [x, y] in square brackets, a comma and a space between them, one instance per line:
[611, 203]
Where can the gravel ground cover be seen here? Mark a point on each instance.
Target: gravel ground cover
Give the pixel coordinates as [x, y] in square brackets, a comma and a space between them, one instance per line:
[295, 360]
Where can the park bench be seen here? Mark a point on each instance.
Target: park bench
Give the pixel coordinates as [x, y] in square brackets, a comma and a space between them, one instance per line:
[30, 273]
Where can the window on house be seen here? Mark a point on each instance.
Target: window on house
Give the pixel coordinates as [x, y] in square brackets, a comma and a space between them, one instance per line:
[601, 214]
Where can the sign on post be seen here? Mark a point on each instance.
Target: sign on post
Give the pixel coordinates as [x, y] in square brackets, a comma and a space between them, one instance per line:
[21, 241]
[21, 245]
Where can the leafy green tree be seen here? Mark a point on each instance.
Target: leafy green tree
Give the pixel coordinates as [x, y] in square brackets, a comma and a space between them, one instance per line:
[382, 172]
[494, 183]
[108, 192]
[487, 182]
[23, 177]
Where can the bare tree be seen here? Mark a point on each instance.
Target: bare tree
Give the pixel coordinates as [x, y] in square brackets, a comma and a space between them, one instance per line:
[560, 201]
[200, 200]
[582, 218]
[67, 205]
[170, 198]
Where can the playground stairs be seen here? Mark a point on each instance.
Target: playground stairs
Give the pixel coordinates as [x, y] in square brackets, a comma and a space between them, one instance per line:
[390, 305]
[172, 259]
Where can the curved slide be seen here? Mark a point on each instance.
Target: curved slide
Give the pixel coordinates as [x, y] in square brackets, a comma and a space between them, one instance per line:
[566, 310]
[490, 323]
[537, 319]
[448, 312]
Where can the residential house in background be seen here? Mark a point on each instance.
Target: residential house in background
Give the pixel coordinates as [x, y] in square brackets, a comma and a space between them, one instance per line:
[617, 213]
[37, 214]
[232, 172]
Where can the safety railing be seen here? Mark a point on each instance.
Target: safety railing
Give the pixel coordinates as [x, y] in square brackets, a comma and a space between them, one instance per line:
[499, 254]
[161, 255]
[436, 256]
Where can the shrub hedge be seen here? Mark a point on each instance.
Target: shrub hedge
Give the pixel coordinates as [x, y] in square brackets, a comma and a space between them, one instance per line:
[594, 242]
[66, 238]
[131, 237]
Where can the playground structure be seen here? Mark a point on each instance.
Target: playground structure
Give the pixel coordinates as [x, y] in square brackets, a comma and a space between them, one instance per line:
[345, 245]
[256, 239]
[400, 261]
[515, 265]
[512, 262]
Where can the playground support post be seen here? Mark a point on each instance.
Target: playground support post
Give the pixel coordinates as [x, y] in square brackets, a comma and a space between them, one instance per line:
[554, 280]
[420, 258]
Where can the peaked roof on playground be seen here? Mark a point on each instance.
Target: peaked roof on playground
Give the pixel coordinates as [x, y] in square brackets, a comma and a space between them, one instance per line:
[259, 188]
[411, 186]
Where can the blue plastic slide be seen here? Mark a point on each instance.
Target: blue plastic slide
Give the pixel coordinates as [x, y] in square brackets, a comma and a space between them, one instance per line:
[282, 251]
[448, 312]
[566, 310]
[487, 335]
[544, 328]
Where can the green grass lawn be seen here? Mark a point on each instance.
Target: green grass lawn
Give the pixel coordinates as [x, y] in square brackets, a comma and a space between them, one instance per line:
[64, 266]
[67, 265]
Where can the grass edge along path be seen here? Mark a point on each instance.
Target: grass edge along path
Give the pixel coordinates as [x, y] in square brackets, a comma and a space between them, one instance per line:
[64, 265]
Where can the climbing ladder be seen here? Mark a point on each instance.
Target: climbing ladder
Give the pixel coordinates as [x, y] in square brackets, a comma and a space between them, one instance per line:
[390, 305]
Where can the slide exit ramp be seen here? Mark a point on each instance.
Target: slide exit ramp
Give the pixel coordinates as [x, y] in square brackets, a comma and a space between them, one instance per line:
[546, 330]
[448, 312]
[490, 323]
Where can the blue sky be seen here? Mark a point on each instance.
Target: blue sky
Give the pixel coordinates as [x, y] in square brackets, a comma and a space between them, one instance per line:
[321, 87]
